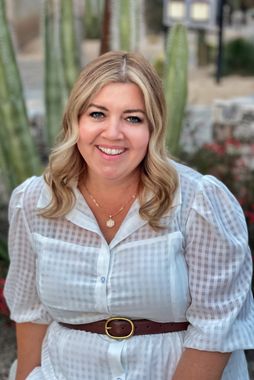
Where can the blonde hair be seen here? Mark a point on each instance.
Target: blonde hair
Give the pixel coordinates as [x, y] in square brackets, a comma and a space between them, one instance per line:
[158, 177]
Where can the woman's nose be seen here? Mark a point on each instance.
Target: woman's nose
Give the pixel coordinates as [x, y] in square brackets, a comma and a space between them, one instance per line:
[113, 129]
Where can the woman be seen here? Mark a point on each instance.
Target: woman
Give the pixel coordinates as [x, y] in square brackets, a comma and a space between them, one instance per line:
[116, 229]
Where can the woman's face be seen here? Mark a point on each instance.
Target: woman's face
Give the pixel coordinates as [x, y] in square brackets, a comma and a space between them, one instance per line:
[114, 132]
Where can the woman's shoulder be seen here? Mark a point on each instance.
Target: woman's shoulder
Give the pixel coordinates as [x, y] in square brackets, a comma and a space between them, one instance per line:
[190, 178]
[204, 192]
[194, 185]
[27, 193]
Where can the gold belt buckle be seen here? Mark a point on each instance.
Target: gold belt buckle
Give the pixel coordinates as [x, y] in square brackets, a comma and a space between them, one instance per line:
[107, 327]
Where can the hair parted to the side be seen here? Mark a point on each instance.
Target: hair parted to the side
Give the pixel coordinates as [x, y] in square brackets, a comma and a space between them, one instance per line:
[158, 177]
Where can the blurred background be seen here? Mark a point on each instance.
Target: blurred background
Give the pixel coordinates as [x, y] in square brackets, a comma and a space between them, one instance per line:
[203, 51]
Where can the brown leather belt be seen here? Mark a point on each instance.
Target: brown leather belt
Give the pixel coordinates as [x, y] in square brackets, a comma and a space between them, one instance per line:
[123, 328]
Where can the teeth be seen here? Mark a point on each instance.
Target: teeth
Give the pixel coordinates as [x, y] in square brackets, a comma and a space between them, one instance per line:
[111, 152]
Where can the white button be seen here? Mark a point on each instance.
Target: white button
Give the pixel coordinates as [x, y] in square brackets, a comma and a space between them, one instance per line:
[103, 279]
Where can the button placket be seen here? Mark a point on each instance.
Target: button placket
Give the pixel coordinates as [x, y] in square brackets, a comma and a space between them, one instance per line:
[102, 272]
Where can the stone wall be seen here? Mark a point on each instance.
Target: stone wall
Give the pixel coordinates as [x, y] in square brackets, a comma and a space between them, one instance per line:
[234, 120]
[227, 120]
[197, 128]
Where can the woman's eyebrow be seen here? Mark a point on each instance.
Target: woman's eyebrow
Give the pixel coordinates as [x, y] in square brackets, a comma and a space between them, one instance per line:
[98, 106]
[134, 110]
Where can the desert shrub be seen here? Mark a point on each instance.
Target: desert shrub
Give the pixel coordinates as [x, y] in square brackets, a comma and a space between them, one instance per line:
[238, 57]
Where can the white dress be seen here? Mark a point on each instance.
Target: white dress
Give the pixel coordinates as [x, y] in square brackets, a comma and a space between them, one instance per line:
[198, 269]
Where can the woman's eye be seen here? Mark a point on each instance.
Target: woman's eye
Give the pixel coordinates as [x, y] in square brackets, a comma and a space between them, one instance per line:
[97, 115]
[134, 119]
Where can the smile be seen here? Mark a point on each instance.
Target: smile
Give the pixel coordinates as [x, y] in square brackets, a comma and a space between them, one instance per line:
[111, 152]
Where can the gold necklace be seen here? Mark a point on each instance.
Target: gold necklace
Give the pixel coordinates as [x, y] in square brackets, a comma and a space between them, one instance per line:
[110, 222]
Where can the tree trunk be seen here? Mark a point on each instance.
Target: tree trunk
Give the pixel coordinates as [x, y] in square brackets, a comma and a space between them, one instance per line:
[105, 34]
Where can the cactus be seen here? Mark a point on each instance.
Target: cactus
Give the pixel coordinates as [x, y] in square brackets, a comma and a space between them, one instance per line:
[125, 24]
[70, 50]
[62, 62]
[17, 146]
[54, 82]
[175, 84]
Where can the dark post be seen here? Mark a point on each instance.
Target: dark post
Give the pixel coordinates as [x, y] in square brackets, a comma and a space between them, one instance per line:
[220, 40]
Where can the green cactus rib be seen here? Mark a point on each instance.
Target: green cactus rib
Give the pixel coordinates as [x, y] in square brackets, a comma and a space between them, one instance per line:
[54, 81]
[17, 146]
[125, 24]
[175, 84]
[70, 50]
[124, 27]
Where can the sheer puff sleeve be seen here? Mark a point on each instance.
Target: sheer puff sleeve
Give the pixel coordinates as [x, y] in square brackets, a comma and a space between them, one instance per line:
[20, 288]
[221, 313]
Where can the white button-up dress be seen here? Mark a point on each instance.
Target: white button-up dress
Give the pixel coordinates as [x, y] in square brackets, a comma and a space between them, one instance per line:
[198, 269]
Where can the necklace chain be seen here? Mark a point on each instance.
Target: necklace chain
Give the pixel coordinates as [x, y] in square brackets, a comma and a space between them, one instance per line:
[110, 222]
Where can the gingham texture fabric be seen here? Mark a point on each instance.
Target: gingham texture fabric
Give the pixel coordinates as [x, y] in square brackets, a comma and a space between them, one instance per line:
[198, 269]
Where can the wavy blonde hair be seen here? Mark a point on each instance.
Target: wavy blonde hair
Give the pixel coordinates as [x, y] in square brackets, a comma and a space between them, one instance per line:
[158, 176]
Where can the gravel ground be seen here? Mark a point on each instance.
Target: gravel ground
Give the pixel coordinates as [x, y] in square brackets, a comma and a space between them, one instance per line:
[7, 349]
[8, 352]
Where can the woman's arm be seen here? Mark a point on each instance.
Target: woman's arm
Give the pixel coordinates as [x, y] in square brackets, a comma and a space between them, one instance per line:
[201, 365]
[29, 342]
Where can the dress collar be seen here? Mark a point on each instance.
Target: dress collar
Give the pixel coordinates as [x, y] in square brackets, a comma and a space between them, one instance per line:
[82, 216]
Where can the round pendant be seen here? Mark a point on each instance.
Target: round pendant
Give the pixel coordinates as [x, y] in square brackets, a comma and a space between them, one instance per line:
[110, 223]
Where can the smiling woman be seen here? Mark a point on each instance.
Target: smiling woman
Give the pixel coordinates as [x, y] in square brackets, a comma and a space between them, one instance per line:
[125, 264]
[115, 104]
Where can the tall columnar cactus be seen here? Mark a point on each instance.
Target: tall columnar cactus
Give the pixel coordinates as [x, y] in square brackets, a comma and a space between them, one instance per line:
[70, 50]
[17, 146]
[175, 84]
[54, 82]
[125, 24]
[62, 61]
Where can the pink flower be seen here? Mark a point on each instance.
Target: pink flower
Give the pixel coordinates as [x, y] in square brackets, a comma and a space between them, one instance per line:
[234, 142]
[250, 216]
[215, 148]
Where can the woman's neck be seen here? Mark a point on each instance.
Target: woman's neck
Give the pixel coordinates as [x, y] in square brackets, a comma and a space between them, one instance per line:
[111, 192]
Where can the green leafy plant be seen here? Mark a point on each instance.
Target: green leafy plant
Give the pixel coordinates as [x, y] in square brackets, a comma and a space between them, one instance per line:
[238, 57]
[93, 18]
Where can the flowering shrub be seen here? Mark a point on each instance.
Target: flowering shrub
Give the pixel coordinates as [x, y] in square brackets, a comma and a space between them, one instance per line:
[4, 310]
[227, 162]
